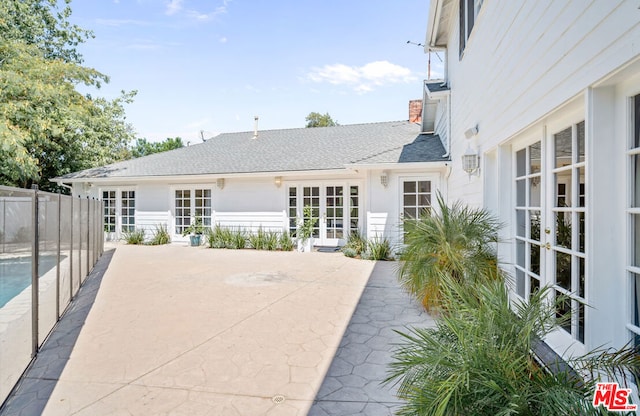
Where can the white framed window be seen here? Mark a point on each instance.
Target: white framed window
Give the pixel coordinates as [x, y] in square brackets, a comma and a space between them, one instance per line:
[550, 223]
[110, 210]
[416, 198]
[633, 217]
[128, 210]
[468, 10]
[191, 203]
[119, 210]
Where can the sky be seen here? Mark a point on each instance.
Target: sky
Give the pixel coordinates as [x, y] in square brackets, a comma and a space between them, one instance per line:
[212, 65]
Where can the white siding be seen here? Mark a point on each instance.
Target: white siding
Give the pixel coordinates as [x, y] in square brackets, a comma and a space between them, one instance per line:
[252, 221]
[526, 58]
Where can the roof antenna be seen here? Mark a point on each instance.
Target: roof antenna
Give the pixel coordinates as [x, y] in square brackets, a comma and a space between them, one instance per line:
[255, 127]
[202, 136]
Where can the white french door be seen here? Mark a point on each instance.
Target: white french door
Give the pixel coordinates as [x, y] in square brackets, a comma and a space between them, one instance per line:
[550, 228]
[334, 208]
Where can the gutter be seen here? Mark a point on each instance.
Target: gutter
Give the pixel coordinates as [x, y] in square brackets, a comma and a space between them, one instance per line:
[435, 11]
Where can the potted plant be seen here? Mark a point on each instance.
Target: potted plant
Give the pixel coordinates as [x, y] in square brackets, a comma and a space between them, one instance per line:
[305, 230]
[195, 231]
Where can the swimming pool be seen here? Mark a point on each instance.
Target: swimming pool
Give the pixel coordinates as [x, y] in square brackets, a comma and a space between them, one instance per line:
[15, 275]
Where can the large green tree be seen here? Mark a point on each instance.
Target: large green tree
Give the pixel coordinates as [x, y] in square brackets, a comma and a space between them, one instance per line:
[47, 127]
[143, 147]
[320, 120]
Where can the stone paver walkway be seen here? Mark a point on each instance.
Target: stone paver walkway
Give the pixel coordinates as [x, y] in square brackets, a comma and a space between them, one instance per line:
[353, 384]
[185, 331]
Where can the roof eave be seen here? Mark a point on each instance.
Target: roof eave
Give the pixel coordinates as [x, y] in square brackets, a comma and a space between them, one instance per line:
[434, 165]
[199, 177]
[435, 11]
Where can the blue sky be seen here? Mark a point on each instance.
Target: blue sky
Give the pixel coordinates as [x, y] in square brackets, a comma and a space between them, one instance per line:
[213, 64]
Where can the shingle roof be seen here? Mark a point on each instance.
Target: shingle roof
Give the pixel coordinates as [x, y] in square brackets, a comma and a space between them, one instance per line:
[302, 149]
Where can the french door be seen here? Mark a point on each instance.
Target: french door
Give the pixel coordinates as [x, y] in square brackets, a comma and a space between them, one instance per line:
[550, 215]
[334, 208]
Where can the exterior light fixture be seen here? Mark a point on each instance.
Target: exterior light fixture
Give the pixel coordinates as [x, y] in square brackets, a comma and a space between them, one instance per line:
[384, 178]
[471, 162]
[278, 181]
[220, 183]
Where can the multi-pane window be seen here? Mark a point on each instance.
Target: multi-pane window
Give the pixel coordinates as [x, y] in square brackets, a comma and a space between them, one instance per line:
[334, 215]
[528, 219]
[567, 222]
[416, 199]
[128, 210]
[469, 10]
[311, 197]
[354, 210]
[189, 205]
[293, 210]
[110, 213]
[634, 219]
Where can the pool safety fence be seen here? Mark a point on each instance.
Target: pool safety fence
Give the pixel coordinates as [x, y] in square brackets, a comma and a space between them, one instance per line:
[48, 245]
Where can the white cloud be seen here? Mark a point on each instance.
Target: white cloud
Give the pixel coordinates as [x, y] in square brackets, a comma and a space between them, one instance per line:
[173, 7]
[223, 39]
[362, 78]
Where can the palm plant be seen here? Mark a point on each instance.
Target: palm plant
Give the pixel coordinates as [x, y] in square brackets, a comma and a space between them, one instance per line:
[477, 359]
[458, 241]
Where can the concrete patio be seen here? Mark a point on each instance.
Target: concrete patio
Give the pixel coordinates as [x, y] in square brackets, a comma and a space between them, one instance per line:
[191, 331]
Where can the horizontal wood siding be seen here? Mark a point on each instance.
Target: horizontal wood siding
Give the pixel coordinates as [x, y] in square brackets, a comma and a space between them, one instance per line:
[526, 58]
[252, 221]
[150, 220]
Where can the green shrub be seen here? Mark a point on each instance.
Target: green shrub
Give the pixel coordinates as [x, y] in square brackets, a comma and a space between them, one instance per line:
[286, 241]
[378, 249]
[238, 239]
[477, 359]
[456, 241]
[134, 237]
[272, 240]
[160, 236]
[258, 240]
[356, 242]
[349, 252]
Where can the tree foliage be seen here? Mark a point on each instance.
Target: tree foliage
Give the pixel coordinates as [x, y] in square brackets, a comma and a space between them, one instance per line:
[143, 147]
[320, 120]
[457, 241]
[477, 359]
[47, 127]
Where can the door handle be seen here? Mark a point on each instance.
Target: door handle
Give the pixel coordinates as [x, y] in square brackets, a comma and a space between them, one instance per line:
[548, 246]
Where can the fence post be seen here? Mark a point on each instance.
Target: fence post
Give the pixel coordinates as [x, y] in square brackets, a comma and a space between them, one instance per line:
[35, 248]
[71, 249]
[58, 259]
[88, 234]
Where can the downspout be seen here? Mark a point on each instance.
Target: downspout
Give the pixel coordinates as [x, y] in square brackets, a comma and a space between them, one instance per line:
[448, 127]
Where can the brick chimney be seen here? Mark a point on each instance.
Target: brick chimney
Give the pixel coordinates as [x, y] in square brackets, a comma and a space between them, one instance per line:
[415, 111]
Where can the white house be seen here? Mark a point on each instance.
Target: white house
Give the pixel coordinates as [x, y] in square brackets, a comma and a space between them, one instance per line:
[547, 94]
[365, 177]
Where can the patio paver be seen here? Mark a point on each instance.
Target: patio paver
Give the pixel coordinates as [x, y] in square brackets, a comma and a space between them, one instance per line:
[179, 330]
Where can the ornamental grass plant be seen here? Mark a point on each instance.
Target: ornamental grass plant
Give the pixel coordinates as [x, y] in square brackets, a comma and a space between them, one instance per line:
[456, 241]
[477, 360]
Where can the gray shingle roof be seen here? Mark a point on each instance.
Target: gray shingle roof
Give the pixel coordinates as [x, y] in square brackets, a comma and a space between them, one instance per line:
[302, 149]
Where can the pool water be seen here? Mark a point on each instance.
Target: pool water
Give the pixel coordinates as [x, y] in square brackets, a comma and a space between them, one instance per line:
[15, 275]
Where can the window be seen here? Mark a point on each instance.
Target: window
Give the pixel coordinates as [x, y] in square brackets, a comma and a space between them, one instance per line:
[634, 222]
[109, 201]
[190, 204]
[528, 219]
[293, 210]
[128, 211]
[416, 199]
[354, 214]
[568, 220]
[550, 229]
[469, 10]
